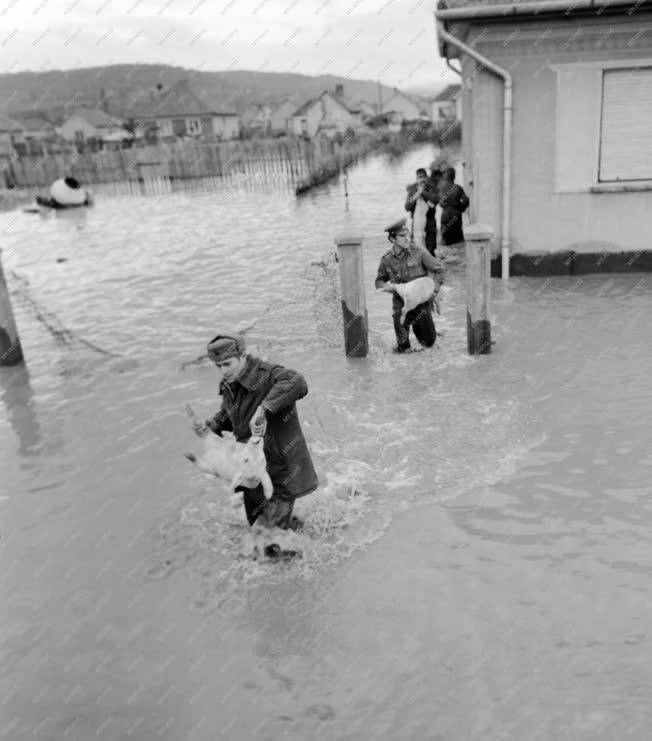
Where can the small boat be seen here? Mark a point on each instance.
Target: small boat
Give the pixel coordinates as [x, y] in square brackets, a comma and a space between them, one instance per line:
[66, 193]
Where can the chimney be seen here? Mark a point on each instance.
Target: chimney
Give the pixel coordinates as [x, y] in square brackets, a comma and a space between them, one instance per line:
[339, 91]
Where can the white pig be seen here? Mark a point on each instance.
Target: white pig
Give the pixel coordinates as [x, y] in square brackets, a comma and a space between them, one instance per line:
[415, 292]
[238, 463]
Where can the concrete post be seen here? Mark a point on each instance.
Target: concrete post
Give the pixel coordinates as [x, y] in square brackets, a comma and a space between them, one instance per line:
[478, 282]
[11, 352]
[354, 305]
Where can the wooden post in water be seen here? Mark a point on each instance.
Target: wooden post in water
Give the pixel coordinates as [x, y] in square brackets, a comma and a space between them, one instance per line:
[11, 353]
[354, 305]
[478, 283]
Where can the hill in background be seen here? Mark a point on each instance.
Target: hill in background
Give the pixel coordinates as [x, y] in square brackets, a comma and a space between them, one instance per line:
[122, 85]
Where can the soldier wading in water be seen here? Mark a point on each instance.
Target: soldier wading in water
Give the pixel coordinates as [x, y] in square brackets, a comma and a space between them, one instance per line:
[259, 398]
[403, 263]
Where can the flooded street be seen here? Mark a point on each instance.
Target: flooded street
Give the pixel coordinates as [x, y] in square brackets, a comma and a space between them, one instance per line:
[491, 583]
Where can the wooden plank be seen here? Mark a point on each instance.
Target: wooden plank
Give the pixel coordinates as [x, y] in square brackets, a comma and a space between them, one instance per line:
[354, 307]
[478, 278]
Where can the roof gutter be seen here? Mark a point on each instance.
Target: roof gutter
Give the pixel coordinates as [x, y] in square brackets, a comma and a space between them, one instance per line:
[565, 7]
[487, 64]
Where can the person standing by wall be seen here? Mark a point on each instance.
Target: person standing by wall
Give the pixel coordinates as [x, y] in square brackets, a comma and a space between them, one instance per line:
[454, 202]
[421, 201]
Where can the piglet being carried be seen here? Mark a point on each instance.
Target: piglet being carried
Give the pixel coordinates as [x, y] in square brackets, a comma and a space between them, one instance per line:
[239, 464]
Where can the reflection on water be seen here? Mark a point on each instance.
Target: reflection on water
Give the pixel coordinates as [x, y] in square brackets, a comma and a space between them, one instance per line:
[18, 400]
[129, 569]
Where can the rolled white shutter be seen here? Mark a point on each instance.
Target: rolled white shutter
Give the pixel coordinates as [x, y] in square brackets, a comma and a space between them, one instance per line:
[626, 130]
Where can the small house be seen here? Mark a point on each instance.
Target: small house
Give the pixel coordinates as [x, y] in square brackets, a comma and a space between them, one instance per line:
[182, 112]
[447, 105]
[39, 132]
[89, 123]
[281, 117]
[327, 114]
[404, 106]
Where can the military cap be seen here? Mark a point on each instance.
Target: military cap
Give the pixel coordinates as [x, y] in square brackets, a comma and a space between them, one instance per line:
[395, 227]
[225, 345]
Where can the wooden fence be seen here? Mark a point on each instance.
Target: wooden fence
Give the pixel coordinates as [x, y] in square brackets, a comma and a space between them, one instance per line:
[291, 161]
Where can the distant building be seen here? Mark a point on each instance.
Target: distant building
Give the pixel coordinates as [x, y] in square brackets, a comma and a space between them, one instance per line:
[89, 123]
[327, 114]
[448, 104]
[581, 160]
[36, 126]
[404, 106]
[40, 134]
[281, 117]
[257, 118]
[352, 105]
[181, 112]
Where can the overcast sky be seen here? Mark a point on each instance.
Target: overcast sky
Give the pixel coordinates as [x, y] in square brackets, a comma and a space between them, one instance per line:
[365, 39]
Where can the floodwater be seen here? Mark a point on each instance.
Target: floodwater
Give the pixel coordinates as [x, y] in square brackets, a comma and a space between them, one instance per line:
[492, 581]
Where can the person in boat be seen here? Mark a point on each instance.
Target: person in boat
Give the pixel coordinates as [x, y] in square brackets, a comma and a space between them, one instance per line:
[402, 263]
[454, 202]
[421, 202]
[260, 398]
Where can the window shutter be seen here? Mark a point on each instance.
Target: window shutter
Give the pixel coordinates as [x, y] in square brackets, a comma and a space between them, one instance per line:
[625, 140]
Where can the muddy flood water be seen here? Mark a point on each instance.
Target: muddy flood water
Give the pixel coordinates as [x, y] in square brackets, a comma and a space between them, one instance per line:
[493, 581]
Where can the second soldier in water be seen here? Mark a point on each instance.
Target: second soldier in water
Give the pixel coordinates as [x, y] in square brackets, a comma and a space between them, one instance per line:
[403, 263]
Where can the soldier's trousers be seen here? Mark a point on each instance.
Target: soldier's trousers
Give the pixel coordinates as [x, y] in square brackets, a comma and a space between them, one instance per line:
[421, 321]
[272, 513]
[431, 241]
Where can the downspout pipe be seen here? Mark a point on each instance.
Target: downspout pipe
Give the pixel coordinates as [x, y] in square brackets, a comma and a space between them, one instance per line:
[507, 134]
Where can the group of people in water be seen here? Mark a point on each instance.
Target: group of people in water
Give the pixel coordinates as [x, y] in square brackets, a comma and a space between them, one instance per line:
[414, 249]
[259, 398]
[438, 188]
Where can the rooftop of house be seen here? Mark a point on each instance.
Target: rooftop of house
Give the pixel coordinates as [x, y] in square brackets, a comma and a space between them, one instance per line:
[349, 105]
[303, 109]
[420, 105]
[396, 93]
[448, 93]
[179, 100]
[562, 6]
[96, 117]
[33, 121]
[8, 125]
[281, 104]
[455, 4]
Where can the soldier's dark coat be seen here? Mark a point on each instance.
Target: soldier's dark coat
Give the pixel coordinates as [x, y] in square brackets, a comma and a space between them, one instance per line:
[454, 202]
[277, 389]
